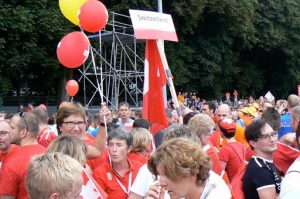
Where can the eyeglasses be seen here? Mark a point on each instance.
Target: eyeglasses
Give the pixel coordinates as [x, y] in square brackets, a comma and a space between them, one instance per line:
[72, 124]
[273, 135]
[222, 115]
[3, 133]
[22, 115]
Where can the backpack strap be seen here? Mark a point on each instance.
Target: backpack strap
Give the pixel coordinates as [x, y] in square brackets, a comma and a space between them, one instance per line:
[241, 159]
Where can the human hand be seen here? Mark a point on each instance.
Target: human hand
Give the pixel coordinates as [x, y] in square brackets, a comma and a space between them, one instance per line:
[105, 114]
[156, 191]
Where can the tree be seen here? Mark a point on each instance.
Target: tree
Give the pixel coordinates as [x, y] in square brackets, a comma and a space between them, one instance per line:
[31, 31]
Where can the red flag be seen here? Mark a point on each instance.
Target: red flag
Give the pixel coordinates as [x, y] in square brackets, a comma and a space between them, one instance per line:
[154, 80]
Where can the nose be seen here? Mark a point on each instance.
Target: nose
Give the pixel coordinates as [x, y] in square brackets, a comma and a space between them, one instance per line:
[273, 138]
[76, 127]
[162, 180]
[114, 148]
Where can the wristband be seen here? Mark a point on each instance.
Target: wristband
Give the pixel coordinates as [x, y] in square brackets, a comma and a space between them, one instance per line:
[102, 124]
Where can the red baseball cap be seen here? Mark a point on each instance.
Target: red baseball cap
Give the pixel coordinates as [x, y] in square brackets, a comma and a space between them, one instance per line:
[227, 125]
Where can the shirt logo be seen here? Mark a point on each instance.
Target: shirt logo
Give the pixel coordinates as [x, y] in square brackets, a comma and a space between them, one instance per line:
[109, 176]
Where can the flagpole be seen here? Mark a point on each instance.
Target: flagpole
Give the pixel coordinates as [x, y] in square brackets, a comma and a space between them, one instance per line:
[169, 78]
[160, 10]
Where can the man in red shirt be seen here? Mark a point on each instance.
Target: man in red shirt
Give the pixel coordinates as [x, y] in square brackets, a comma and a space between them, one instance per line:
[116, 175]
[24, 131]
[45, 135]
[7, 150]
[222, 112]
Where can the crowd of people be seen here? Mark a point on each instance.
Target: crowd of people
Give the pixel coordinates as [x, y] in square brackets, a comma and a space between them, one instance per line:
[222, 150]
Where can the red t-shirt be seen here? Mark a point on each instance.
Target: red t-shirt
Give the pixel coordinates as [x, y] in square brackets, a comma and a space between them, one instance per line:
[138, 157]
[284, 157]
[14, 173]
[112, 183]
[45, 137]
[216, 164]
[5, 157]
[233, 153]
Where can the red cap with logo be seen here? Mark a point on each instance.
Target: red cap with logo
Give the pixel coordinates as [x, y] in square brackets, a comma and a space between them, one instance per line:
[227, 125]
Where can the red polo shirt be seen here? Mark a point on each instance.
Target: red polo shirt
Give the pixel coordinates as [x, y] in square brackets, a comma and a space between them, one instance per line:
[138, 157]
[116, 186]
[5, 157]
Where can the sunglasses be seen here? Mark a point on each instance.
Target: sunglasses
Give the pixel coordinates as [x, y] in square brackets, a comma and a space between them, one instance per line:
[22, 115]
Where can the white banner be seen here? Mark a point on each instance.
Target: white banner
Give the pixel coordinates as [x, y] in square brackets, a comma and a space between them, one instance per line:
[153, 25]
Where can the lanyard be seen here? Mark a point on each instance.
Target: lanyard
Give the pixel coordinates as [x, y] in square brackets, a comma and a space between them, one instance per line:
[129, 184]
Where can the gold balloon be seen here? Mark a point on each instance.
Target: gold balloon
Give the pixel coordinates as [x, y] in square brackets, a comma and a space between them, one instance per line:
[70, 9]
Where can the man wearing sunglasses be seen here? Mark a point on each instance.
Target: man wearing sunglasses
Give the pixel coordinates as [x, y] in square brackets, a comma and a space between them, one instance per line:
[24, 131]
[261, 179]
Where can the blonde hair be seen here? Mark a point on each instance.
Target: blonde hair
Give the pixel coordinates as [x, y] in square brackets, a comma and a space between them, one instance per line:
[201, 124]
[142, 139]
[52, 173]
[179, 130]
[180, 158]
[70, 145]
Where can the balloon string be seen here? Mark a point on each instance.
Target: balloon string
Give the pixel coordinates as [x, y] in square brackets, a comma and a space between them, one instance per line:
[101, 72]
[98, 85]
[95, 70]
[101, 79]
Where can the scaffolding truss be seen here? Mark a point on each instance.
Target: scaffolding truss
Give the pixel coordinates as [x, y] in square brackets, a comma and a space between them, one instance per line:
[114, 67]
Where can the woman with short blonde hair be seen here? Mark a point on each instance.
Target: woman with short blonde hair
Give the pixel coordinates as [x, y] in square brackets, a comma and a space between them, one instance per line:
[142, 145]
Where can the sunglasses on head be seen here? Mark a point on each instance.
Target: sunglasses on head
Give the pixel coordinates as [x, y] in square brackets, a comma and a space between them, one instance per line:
[22, 115]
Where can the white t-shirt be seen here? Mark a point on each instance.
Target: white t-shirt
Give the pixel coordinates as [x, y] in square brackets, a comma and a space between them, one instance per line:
[290, 183]
[143, 181]
[215, 186]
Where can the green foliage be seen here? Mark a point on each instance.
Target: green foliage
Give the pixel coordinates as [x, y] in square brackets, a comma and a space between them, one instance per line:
[248, 45]
[30, 33]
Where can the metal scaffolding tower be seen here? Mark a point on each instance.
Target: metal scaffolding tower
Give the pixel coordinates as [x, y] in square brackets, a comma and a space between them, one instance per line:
[114, 66]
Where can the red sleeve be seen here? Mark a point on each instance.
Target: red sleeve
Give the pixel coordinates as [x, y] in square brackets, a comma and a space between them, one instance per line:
[224, 154]
[216, 165]
[284, 156]
[9, 182]
[214, 139]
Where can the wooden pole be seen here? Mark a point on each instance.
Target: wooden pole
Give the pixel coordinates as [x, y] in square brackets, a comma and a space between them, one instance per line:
[169, 78]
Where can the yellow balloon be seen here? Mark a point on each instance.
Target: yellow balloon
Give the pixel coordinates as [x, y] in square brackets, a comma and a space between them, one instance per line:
[70, 9]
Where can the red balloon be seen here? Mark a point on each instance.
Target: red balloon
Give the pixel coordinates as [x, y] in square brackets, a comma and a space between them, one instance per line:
[72, 87]
[93, 16]
[73, 49]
